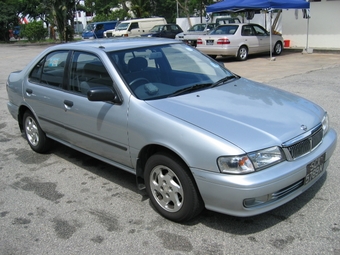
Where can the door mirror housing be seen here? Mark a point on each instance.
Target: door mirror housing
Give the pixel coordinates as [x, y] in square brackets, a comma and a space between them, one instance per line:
[103, 94]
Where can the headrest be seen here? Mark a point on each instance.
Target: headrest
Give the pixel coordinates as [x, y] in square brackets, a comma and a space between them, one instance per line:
[137, 64]
[95, 68]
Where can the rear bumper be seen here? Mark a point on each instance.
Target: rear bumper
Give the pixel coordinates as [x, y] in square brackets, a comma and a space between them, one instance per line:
[13, 109]
[219, 51]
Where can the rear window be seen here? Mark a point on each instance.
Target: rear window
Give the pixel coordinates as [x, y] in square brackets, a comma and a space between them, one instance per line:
[225, 30]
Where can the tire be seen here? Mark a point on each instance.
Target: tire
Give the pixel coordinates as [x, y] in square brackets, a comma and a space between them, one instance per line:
[242, 53]
[278, 48]
[171, 188]
[35, 137]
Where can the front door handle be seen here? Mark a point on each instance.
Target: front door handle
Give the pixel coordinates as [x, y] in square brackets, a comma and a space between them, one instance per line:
[68, 104]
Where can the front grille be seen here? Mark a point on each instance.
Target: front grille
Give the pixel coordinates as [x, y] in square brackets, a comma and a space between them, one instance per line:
[303, 144]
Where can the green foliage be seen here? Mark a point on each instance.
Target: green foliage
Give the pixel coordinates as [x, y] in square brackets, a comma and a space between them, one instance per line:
[116, 15]
[60, 13]
[8, 17]
[34, 31]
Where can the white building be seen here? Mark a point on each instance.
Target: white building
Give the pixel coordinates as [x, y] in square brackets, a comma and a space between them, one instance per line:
[324, 26]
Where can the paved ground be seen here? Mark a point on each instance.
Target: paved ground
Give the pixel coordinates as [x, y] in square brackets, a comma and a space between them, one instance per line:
[67, 203]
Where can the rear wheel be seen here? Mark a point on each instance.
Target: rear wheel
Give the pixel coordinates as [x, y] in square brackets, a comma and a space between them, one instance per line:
[242, 53]
[36, 138]
[171, 188]
[278, 48]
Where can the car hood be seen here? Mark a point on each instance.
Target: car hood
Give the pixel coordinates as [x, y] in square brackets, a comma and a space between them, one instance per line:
[248, 114]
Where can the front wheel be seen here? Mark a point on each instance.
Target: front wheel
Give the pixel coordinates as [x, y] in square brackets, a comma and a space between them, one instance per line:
[171, 188]
[242, 53]
[36, 138]
[278, 48]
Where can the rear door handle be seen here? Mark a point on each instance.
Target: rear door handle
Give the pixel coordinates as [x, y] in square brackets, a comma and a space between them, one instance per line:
[29, 92]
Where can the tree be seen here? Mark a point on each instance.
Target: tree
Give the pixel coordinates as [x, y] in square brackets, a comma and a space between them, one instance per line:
[9, 11]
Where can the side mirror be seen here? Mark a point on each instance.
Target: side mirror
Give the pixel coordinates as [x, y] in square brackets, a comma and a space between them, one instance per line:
[103, 94]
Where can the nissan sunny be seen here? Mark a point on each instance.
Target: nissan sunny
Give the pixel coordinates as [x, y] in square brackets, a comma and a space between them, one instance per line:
[194, 134]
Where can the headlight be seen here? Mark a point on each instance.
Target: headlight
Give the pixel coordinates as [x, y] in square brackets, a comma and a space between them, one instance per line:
[250, 162]
[325, 123]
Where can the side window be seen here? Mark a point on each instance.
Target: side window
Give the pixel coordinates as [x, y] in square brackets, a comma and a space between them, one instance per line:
[247, 31]
[133, 25]
[87, 71]
[50, 70]
[260, 31]
[100, 27]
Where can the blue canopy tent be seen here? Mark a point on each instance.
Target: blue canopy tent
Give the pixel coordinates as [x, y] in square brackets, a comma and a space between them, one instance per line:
[257, 4]
[239, 5]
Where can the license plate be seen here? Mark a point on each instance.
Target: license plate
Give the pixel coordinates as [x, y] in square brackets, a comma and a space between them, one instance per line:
[210, 42]
[315, 168]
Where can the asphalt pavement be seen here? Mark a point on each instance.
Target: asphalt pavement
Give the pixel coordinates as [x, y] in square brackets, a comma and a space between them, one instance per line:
[65, 202]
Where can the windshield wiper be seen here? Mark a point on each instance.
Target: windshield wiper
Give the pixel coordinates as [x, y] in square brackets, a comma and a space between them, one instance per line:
[223, 80]
[189, 89]
[202, 85]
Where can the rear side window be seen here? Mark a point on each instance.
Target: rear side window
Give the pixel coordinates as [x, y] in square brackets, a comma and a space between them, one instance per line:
[50, 70]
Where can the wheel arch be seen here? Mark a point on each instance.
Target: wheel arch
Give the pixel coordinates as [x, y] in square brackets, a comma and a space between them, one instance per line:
[276, 43]
[145, 153]
[242, 45]
[21, 112]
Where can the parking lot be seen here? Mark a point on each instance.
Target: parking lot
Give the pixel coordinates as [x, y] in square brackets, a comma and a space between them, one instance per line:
[65, 202]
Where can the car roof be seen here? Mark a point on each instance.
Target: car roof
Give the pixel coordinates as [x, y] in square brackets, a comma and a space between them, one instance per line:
[238, 24]
[102, 22]
[116, 44]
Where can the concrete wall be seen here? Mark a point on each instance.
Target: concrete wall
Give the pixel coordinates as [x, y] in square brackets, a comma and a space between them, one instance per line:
[324, 26]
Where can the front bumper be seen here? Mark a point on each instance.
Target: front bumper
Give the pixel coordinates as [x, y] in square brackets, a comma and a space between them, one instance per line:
[226, 193]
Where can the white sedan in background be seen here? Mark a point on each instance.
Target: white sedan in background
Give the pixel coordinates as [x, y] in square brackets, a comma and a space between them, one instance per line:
[239, 40]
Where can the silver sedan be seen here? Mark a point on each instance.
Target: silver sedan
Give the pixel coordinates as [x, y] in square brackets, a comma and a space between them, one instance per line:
[239, 40]
[194, 134]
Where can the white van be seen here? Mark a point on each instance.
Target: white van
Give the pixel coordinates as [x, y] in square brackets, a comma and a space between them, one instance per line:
[134, 27]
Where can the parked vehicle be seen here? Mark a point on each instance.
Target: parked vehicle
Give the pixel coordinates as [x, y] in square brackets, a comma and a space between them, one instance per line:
[238, 40]
[166, 31]
[190, 37]
[96, 29]
[15, 32]
[194, 134]
[134, 27]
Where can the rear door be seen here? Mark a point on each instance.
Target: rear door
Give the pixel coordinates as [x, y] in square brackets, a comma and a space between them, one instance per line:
[43, 92]
[250, 39]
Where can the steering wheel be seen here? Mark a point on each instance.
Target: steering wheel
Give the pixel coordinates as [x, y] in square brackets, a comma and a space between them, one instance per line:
[134, 84]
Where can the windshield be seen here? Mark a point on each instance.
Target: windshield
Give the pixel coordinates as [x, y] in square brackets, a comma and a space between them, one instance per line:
[156, 28]
[122, 26]
[197, 27]
[90, 27]
[168, 70]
